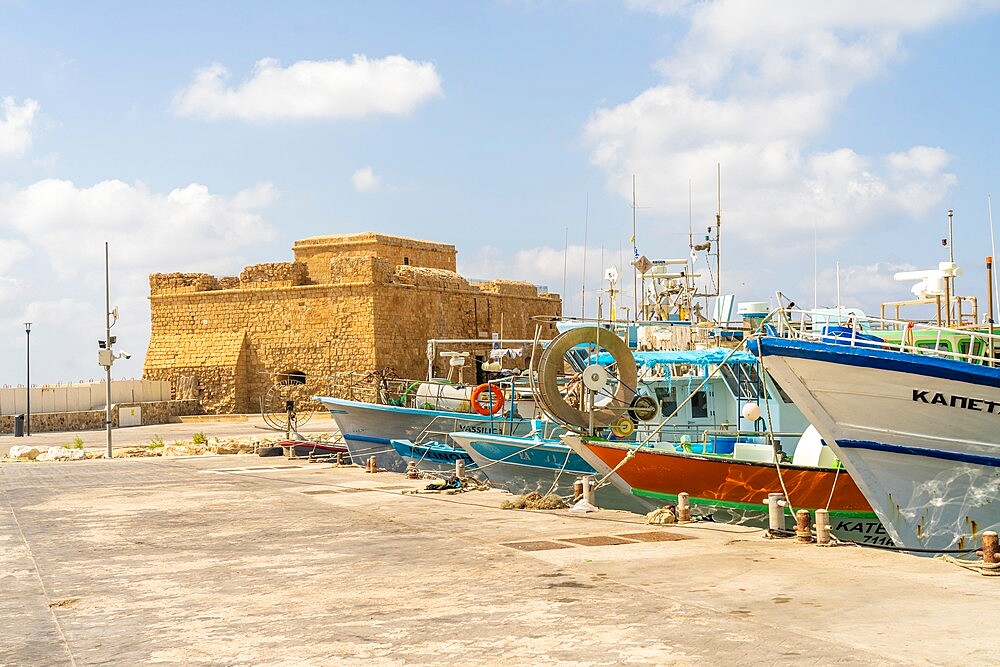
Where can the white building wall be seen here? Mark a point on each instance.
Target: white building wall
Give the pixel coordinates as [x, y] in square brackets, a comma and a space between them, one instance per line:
[82, 396]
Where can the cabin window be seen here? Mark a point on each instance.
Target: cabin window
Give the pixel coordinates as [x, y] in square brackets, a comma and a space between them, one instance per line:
[978, 349]
[667, 398]
[943, 345]
[699, 405]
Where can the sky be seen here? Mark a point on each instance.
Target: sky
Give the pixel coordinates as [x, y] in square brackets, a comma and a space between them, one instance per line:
[205, 137]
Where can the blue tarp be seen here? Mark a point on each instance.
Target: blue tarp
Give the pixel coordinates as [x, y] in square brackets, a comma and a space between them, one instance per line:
[712, 356]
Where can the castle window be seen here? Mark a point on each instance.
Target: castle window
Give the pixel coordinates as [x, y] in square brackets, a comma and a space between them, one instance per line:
[406, 261]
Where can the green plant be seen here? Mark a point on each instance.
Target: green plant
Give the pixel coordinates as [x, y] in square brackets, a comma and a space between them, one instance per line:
[199, 439]
[156, 442]
[78, 442]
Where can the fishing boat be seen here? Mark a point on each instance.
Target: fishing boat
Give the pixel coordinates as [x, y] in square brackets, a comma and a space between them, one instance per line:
[916, 426]
[369, 428]
[431, 455]
[733, 487]
[703, 422]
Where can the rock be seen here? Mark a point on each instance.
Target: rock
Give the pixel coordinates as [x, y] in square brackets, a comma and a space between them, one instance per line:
[24, 452]
[61, 454]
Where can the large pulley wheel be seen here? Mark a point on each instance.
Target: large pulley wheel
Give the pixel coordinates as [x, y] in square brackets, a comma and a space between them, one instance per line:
[607, 390]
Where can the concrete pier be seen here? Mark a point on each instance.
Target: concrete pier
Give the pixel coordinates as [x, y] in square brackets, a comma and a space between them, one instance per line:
[241, 560]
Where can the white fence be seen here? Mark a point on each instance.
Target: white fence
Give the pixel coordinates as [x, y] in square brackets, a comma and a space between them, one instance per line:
[82, 396]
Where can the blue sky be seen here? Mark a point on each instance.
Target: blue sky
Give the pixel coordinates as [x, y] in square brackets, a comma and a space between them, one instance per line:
[209, 136]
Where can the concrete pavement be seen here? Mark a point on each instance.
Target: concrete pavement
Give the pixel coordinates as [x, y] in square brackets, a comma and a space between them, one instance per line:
[239, 560]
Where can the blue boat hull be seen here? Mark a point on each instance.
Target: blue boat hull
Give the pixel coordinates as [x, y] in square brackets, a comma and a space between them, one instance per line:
[526, 464]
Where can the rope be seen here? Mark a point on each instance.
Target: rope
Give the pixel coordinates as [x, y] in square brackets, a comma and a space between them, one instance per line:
[774, 454]
[982, 567]
[833, 487]
[555, 482]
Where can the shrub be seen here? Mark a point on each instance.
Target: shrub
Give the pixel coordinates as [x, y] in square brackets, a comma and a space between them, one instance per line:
[199, 439]
[156, 442]
[77, 442]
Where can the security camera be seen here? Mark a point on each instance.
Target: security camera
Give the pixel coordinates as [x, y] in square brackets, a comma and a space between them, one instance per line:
[126, 355]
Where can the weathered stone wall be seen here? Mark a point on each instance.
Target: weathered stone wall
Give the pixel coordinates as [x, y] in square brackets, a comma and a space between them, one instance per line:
[230, 345]
[317, 252]
[174, 283]
[154, 412]
[315, 329]
[277, 274]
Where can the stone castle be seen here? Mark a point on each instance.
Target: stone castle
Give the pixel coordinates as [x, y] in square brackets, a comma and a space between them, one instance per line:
[353, 302]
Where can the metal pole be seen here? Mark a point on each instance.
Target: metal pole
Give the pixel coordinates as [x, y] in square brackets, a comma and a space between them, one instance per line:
[950, 280]
[27, 386]
[107, 321]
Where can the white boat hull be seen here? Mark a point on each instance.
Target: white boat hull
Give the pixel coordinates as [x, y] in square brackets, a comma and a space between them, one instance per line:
[920, 435]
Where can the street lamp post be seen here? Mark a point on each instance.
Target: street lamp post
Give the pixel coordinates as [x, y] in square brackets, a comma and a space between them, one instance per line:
[27, 383]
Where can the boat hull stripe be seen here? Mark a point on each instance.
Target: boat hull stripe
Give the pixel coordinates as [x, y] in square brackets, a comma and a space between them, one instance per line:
[991, 461]
[889, 360]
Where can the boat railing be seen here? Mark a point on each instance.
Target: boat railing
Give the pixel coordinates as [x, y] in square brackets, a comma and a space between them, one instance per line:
[977, 345]
[440, 426]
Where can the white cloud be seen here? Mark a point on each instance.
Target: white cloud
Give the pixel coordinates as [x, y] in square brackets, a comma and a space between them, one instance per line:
[753, 86]
[68, 224]
[16, 125]
[365, 180]
[52, 269]
[327, 89]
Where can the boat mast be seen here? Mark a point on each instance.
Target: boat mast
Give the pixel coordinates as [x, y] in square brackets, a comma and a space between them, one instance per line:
[993, 251]
[718, 231]
[951, 260]
[565, 264]
[635, 256]
[583, 281]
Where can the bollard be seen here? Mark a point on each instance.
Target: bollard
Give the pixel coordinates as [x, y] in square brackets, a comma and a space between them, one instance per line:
[340, 458]
[411, 470]
[683, 507]
[372, 465]
[775, 511]
[822, 527]
[588, 490]
[991, 552]
[460, 469]
[803, 532]
[586, 502]
[577, 489]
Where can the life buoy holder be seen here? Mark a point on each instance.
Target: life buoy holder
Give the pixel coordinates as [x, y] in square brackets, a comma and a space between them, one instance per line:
[492, 405]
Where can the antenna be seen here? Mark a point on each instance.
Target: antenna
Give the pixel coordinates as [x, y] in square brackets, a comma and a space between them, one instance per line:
[815, 270]
[838, 288]
[565, 262]
[583, 282]
[718, 230]
[635, 256]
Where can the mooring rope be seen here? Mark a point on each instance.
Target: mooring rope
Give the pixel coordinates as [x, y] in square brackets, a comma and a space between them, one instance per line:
[982, 567]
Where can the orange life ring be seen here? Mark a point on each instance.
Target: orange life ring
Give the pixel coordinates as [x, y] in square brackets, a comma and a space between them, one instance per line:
[492, 406]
